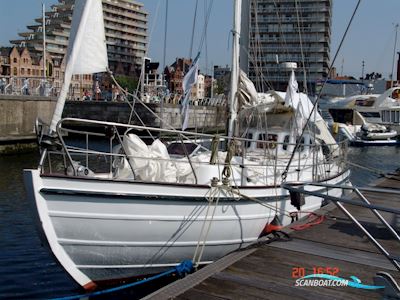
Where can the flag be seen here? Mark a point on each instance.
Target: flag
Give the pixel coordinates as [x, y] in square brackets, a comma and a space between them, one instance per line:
[292, 96]
[292, 99]
[188, 81]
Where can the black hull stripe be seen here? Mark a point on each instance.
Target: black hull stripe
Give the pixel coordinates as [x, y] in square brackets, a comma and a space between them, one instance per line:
[91, 194]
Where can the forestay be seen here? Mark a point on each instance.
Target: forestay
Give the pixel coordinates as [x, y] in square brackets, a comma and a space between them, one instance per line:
[87, 50]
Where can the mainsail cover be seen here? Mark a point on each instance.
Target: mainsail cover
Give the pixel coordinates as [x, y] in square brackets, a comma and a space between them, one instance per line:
[87, 50]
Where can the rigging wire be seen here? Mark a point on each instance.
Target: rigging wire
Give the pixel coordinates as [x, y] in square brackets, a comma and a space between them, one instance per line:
[204, 33]
[253, 60]
[301, 47]
[165, 34]
[149, 42]
[193, 29]
[284, 174]
[164, 62]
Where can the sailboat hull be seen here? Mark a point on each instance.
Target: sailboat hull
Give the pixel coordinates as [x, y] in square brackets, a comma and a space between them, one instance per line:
[102, 230]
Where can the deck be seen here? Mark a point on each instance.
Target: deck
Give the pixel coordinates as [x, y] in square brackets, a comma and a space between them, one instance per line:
[265, 271]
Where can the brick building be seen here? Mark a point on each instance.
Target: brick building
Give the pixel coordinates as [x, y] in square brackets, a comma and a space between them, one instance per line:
[19, 64]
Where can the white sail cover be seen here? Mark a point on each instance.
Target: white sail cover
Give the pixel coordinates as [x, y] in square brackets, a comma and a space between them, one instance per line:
[87, 50]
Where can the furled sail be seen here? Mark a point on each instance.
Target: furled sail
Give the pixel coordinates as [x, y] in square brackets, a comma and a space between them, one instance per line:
[87, 50]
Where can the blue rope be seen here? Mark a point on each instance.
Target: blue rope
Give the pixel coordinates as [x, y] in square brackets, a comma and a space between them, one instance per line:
[182, 269]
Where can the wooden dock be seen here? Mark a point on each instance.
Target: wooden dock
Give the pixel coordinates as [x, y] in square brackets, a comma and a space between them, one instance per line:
[266, 271]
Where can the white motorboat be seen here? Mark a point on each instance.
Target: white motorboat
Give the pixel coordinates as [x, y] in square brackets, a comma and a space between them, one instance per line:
[351, 124]
[380, 109]
[137, 209]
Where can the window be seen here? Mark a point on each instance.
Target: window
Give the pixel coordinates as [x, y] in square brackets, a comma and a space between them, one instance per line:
[286, 142]
[15, 60]
[270, 138]
[301, 146]
[15, 71]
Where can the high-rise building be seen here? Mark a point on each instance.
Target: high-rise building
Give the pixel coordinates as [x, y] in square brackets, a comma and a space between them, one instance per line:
[277, 31]
[125, 24]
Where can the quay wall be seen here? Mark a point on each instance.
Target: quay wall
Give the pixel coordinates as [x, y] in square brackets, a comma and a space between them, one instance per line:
[18, 115]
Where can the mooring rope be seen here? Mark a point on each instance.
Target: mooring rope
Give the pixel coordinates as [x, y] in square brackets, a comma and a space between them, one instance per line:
[237, 192]
[182, 269]
[198, 255]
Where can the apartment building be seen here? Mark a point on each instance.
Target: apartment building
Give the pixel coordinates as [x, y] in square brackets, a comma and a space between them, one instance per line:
[125, 24]
[277, 31]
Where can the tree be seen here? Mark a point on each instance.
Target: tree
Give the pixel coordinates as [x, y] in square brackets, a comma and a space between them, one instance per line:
[127, 83]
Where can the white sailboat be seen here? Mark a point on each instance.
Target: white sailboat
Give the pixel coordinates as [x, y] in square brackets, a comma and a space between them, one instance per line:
[149, 208]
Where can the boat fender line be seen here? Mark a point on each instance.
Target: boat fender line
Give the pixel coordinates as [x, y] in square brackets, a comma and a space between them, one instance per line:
[214, 150]
[275, 225]
[312, 220]
[297, 199]
[294, 216]
[184, 268]
[227, 171]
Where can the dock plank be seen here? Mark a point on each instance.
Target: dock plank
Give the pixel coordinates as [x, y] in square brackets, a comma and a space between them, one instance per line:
[265, 271]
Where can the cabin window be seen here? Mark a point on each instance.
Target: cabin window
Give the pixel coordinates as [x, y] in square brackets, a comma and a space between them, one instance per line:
[393, 116]
[397, 117]
[249, 137]
[286, 141]
[261, 137]
[300, 148]
[370, 114]
[270, 138]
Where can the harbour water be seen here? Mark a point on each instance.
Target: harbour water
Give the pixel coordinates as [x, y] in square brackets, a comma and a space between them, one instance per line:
[28, 271]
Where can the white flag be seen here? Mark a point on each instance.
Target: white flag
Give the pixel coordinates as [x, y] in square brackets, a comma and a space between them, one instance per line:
[292, 96]
[188, 81]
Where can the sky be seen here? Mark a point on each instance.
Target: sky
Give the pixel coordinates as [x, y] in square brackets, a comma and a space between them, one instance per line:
[371, 36]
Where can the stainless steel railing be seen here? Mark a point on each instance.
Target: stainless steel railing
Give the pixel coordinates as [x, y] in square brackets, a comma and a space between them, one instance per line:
[267, 157]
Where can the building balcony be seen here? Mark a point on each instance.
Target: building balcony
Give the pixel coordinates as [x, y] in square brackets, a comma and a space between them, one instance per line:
[125, 14]
[304, 38]
[138, 7]
[124, 37]
[125, 29]
[292, 19]
[114, 19]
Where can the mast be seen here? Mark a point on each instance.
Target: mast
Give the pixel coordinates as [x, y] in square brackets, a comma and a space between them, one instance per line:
[233, 105]
[394, 54]
[164, 62]
[44, 42]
